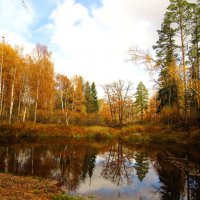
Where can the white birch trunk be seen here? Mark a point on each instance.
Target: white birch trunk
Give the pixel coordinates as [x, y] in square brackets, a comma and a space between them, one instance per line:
[62, 104]
[12, 97]
[36, 102]
[1, 101]
[24, 114]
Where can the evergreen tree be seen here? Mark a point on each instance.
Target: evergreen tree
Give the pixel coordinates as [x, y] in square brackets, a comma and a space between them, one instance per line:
[91, 101]
[141, 101]
[88, 97]
[95, 104]
[165, 53]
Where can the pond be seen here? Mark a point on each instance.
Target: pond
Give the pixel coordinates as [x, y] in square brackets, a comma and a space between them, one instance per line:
[108, 169]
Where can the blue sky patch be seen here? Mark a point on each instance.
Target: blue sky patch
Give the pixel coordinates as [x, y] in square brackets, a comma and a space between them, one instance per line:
[90, 3]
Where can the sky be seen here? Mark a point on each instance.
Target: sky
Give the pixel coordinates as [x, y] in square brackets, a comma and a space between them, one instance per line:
[90, 38]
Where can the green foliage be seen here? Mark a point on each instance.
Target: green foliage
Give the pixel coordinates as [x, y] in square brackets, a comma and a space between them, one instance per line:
[177, 50]
[141, 101]
[95, 104]
[165, 46]
[91, 100]
[165, 53]
[88, 97]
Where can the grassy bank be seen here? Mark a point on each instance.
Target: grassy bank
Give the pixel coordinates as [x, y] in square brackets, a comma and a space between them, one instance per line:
[137, 134]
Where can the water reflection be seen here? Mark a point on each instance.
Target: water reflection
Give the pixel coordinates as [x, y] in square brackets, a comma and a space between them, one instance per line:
[75, 164]
[179, 176]
[110, 170]
[118, 165]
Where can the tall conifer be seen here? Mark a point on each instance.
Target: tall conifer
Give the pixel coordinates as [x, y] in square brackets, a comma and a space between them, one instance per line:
[141, 99]
[165, 53]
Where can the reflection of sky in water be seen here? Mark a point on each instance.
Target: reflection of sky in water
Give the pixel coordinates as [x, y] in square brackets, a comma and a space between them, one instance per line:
[101, 187]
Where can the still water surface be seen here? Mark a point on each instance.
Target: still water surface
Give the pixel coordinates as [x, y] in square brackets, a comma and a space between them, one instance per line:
[109, 169]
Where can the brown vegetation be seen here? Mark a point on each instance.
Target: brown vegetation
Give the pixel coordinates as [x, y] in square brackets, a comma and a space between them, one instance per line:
[22, 188]
[142, 134]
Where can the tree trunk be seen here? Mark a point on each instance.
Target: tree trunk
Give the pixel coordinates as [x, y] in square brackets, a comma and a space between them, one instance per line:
[6, 161]
[183, 65]
[61, 98]
[18, 109]
[1, 101]
[12, 97]
[24, 114]
[36, 102]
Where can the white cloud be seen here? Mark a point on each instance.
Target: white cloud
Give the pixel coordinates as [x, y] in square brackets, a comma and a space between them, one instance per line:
[95, 44]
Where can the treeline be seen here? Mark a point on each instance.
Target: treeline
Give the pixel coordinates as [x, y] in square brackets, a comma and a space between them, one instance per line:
[30, 91]
[177, 63]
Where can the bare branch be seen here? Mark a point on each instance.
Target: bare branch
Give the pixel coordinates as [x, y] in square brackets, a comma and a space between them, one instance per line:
[145, 58]
[25, 5]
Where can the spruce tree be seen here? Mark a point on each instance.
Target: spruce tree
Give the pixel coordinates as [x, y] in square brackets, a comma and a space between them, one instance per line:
[91, 101]
[95, 104]
[141, 99]
[88, 97]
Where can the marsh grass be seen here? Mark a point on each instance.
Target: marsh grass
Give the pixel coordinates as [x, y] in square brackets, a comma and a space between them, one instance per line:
[137, 134]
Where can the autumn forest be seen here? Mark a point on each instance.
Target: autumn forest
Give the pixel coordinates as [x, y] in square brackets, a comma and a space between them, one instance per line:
[31, 91]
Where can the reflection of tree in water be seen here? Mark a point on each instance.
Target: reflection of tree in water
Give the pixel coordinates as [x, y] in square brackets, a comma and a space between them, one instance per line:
[194, 183]
[35, 161]
[141, 165]
[118, 165]
[70, 167]
[88, 164]
[68, 164]
[75, 165]
[179, 177]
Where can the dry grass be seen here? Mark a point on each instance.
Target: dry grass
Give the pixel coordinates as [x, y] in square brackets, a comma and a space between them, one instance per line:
[133, 134]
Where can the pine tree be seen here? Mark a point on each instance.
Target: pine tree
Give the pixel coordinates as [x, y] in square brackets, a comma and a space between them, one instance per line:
[180, 13]
[165, 53]
[141, 101]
